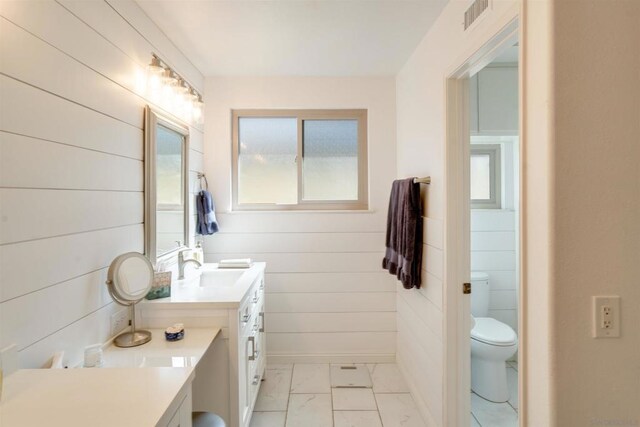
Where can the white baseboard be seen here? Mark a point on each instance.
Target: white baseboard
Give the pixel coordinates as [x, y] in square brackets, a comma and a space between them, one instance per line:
[275, 359]
[420, 403]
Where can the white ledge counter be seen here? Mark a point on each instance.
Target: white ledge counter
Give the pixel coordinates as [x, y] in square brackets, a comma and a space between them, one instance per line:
[162, 353]
[123, 397]
[211, 287]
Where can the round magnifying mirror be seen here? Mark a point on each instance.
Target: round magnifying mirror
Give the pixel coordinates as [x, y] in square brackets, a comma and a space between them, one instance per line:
[129, 279]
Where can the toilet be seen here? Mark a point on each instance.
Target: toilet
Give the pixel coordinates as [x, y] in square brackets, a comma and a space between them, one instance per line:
[492, 343]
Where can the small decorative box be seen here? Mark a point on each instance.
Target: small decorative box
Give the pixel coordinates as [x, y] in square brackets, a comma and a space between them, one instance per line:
[161, 287]
[175, 332]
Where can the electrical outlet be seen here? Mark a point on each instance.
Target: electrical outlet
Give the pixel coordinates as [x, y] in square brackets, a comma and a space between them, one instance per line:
[606, 317]
[119, 321]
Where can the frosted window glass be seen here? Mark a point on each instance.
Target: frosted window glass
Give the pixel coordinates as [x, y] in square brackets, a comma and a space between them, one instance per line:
[267, 171]
[480, 177]
[330, 165]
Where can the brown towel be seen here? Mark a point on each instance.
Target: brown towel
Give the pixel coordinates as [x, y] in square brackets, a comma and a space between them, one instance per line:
[404, 233]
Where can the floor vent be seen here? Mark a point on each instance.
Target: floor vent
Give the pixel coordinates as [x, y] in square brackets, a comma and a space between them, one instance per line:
[474, 11]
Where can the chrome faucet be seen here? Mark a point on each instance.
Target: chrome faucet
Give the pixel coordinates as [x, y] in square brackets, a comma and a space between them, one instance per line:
[183, 262]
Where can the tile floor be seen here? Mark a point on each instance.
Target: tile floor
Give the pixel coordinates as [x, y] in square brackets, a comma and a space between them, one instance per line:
[308, 395]
[490, 414]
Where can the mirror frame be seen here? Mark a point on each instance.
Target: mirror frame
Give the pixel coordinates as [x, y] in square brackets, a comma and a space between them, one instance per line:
[152, 118]
[113, 281]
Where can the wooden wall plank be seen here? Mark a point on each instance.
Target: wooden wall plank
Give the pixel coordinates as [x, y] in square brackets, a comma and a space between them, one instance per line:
[36, 214]
[329, 282]
[62, 258]
[26, 110]
[295, 242]
[53, 165]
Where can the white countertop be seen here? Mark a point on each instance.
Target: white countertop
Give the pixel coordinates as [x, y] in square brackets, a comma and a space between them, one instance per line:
[162, 353]
[135, 387]
[219, 293]
[127, 397]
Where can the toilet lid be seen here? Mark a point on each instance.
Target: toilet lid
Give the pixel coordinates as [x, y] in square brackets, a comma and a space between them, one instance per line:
[492, 331]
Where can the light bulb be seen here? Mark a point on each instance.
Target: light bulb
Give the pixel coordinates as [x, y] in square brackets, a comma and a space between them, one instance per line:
[155, 66]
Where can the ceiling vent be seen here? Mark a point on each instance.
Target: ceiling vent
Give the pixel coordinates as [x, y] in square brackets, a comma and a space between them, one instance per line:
[474, 11]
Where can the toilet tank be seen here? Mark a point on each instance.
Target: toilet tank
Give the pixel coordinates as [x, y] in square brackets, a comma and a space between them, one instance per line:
[479, 294]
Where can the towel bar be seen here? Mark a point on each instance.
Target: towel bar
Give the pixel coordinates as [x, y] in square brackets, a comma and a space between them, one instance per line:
[425, 180]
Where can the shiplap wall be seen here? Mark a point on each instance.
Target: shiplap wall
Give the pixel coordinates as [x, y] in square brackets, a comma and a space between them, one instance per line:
[71, 165]
[327, 297]
[421, 124]
[493, 251]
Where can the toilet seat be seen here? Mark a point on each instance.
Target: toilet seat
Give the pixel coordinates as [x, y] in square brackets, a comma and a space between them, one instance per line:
[493, 332]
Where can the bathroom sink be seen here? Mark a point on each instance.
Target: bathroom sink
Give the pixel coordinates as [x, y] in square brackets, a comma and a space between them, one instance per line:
[220, 277]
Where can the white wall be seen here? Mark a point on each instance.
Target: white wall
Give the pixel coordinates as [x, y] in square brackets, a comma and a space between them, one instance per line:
[327, 295]
[595, 156]
[421, 135]
[71, 165]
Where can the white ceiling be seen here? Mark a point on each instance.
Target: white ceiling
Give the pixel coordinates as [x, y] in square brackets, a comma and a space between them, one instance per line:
[295, 37]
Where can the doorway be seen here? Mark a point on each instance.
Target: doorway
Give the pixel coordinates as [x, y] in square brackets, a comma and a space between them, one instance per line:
[486, 132]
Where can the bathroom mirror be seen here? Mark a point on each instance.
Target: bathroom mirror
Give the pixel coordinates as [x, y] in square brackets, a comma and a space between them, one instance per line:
[129, 279]
[166, 184]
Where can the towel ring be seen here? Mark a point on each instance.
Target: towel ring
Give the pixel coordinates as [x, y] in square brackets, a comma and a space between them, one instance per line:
[202, 176]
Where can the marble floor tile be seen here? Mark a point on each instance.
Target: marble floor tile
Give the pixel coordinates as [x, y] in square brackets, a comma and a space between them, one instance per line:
[514, 365]
[311, 378]
[274, 391]
[387, 378]
[356, 419]
[309, 410]
[398, 410]
[474, 422]
[350, 376]
[268, 419]
[512, 381]
[491, 414]
[353, 399]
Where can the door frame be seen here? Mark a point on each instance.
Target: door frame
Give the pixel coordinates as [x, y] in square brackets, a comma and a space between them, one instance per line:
[457, 373]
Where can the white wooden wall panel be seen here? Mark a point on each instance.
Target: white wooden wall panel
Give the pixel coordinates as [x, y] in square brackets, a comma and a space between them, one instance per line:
[493, 241]
[432, 289]
[62, 258]
[53, 165]
[331, 322]
[288, 222]
[298, 242]
[329, 303]
[57, 306]
[408, 320]
[69, 79]
[26, 110]
[493, 251]
[309, 262]
[330, 282]
[71, 140]
[34, 214]
[340, 343]
[430, 315]
[105, 20]
[72, 339]
[139, 20]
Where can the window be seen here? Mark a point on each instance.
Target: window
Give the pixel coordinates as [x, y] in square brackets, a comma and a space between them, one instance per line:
[485, 177]
[299, 159]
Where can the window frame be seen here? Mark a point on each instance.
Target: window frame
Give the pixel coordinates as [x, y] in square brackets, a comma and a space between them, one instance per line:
[495, 175]
[301, 115]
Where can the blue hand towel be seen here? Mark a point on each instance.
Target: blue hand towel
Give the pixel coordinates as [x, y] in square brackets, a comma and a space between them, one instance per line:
[207, 223]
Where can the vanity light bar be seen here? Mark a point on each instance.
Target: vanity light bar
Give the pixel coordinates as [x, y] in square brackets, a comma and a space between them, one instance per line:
[160, 67]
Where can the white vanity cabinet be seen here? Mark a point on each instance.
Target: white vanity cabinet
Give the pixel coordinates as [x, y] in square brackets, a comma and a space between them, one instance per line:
[250, 351]
[229, 376]
[493, 101]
